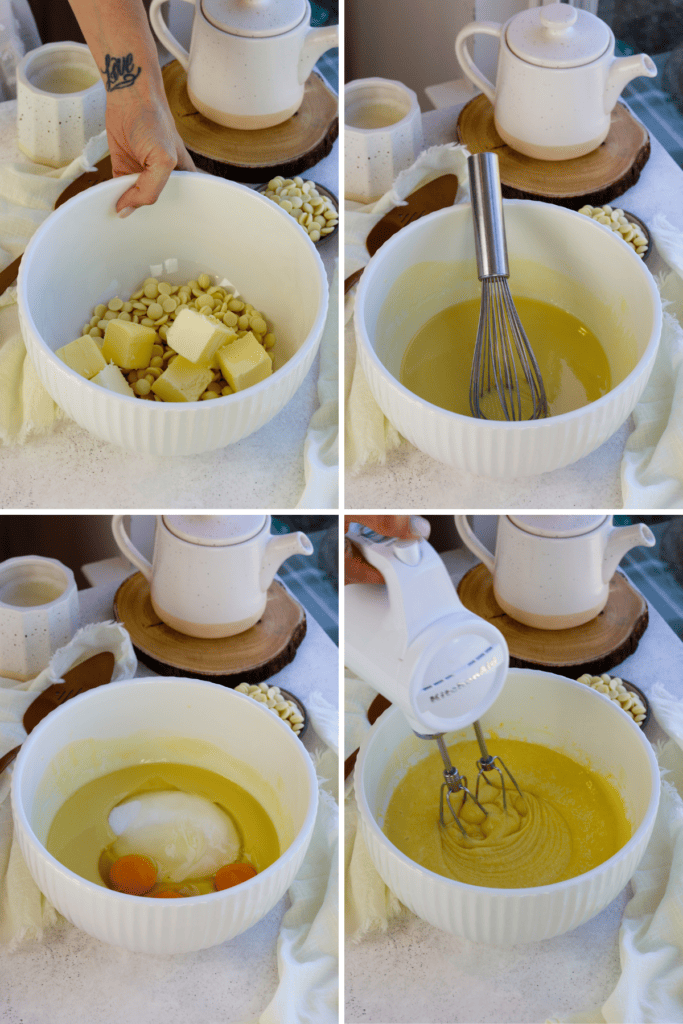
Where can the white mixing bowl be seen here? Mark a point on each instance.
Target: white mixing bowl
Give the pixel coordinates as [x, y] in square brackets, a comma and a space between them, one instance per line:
[83, 254]
[182, 721]
[555, 254]
[541, 708]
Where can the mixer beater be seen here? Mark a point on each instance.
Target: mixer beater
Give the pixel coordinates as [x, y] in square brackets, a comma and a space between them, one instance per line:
[454, 782]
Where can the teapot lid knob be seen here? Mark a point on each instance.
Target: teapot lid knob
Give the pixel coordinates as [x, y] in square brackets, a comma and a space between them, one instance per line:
[558, 17]
[558, 36]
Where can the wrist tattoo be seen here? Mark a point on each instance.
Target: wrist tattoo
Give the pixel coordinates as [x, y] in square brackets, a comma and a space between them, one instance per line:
[119, 72]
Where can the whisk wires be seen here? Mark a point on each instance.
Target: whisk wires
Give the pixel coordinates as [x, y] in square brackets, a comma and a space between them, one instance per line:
[505, 382]
[505, 376]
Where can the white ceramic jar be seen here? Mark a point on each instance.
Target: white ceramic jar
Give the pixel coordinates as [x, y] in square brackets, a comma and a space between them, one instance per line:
[38, 613]
[382, 137]
[60, 102]
[557, 79]
[553, 572]
[249, 59]
[210, 575]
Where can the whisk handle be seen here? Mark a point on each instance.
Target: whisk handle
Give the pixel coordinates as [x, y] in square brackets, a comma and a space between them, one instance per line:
[487, 209]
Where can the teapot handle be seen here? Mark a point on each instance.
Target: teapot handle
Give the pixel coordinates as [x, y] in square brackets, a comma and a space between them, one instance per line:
[164, 34]
[487, 28]
[131, 553]
[473, 542]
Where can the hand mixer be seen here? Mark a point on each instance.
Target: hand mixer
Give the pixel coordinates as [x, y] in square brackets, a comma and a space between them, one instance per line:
[502, 351]
[415, 642]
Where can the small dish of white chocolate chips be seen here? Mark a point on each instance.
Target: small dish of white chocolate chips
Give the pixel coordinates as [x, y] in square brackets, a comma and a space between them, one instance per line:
[280, 702]
[632, 700]
[312, 205]
[623, 223]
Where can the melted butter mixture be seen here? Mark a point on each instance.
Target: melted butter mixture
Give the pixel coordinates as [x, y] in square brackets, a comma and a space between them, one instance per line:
[80, 836]
[437, 363]
[570, 820]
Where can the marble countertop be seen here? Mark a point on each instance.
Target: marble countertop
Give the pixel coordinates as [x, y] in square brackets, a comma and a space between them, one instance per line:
[416, 972]
[411, 479]
[264, 470]
[54, 981]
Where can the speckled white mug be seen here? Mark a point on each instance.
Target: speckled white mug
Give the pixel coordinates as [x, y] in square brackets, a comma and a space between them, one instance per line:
[38, 613]
[61, 102]
[383, 135]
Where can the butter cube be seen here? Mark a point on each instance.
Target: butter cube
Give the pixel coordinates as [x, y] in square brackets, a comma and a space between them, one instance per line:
[83, 355]
[196, 337]
[244, 362]
[214, 364]
[112, 379]
[182, 381]
[128, 344]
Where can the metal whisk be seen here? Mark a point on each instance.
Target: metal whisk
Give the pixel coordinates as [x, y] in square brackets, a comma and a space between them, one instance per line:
[455, 783]
[506, 382]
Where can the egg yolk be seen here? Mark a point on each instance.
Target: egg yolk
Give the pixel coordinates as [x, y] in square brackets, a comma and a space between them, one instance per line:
[133, 874]
[232, 874]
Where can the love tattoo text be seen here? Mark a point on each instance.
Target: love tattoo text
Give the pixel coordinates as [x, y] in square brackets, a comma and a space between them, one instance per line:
[119, 72]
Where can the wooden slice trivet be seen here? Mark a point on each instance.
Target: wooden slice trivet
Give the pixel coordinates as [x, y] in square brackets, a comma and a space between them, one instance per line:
[249, 657]
[595, 647]
[255, 156]
[595, 178]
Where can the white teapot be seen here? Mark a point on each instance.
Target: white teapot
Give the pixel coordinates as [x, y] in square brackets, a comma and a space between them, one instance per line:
[249, 59]
[553, 572]
[210, 575]
[557, 80]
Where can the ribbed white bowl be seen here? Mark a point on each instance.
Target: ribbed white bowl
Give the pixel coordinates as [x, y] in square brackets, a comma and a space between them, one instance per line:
[84, 254]
[542, 708]
[592, 272]
[179, 720]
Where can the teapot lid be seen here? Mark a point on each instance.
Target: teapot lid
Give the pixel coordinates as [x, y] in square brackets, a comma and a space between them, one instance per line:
[558, 526]
[254, 17]
[558, 36]
[214, 531]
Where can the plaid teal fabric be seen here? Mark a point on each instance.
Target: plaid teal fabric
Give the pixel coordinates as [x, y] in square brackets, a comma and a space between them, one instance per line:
[328, 65]
[314, 579]
[658, 572]
[649, 100]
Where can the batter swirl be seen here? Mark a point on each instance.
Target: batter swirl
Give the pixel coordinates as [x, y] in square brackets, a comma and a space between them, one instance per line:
[569, 821]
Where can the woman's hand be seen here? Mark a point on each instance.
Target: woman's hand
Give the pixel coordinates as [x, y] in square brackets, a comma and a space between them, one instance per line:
[143, 140]
[142, 136]
[356, 569]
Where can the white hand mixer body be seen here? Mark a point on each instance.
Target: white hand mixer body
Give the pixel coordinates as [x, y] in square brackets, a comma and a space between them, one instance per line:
[415, 642]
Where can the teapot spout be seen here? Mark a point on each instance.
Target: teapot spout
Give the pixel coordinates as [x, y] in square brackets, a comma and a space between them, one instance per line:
[621, 540]
[278, 550]
[622, 71]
